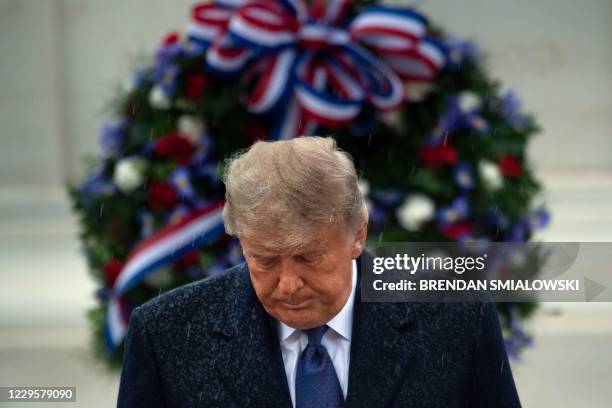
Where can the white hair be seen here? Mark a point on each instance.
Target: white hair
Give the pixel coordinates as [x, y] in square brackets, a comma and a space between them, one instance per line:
[285, 191]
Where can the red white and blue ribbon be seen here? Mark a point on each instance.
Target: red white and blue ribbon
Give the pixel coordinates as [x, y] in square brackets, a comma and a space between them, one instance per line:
[168, 244]
[317, 66]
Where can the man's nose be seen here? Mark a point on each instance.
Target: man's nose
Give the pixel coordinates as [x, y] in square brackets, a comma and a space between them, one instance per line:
[289, 281]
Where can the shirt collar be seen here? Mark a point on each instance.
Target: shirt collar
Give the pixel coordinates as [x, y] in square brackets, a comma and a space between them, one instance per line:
[342, 323]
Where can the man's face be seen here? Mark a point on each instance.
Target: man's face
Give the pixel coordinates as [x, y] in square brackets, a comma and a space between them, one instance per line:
[305, 287]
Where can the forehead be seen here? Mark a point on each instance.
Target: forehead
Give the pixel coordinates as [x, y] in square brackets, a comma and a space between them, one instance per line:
[262, 249]
[322, 239]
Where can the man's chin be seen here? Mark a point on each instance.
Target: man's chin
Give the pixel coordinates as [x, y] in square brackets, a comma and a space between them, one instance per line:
[298, 319]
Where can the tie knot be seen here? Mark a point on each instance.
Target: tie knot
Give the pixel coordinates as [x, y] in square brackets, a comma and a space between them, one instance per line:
[316, 334]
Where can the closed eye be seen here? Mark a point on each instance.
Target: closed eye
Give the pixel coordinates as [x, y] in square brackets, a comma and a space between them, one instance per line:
[305, 259]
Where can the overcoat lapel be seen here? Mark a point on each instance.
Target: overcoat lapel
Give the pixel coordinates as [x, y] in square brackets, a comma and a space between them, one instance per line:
[381, 352]
[252, 367]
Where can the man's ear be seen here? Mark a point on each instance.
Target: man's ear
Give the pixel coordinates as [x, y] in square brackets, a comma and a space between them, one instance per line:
[359, 239]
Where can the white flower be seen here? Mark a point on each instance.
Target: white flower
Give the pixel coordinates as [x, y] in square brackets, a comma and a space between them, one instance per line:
[158, 98]
[416, 91]
[490, 174]
[415, 210]
[469, 101]
[393, 119]
[518, 258]
[160, 278]
[364, 186]
[128, 174]
[128, 85]
[192, 127]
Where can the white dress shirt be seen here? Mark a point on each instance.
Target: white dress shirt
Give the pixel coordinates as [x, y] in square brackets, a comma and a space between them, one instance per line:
[337, 341]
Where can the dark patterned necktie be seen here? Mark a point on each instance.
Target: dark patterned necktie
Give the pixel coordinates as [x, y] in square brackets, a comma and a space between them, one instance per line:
[316, 383]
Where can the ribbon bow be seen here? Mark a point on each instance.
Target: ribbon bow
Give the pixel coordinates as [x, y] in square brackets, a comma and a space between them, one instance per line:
[318, 66]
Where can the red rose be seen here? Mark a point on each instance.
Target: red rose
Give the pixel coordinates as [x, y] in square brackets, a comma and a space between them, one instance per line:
[162, 196]
[509, 165]
[111, 270]
[175, 146]
[437, 156]
[171, 38]
[457, 230]
[195, 84]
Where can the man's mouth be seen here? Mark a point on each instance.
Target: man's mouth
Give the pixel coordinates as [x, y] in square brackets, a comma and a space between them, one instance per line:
[296, 305]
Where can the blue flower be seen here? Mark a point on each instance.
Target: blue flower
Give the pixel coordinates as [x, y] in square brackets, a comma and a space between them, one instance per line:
[168, 53]
[387, 198]
[538, 220]
[463, 174]
[166, 69]
[474, 245]
[460, 50]
[103, 293]
[203, 164]
[166, 77]
[177, 214]
[233, 256]
[377, 215]
[181, 181]
[147, 224]
[518, 232]
[510, 108]
[449, 122]
[494, 218]
[96, 185]
[454, 119]
[457, 211]
[112, 137]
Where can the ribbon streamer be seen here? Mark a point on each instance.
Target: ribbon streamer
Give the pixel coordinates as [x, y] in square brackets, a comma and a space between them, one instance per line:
[199, 228]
